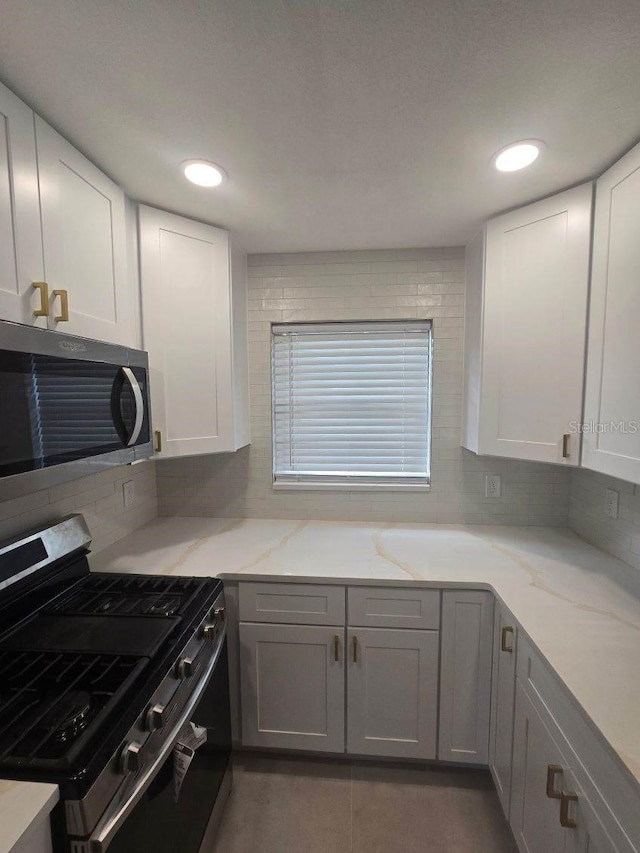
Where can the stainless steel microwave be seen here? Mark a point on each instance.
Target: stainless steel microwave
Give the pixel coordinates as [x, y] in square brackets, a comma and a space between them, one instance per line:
[69, 407]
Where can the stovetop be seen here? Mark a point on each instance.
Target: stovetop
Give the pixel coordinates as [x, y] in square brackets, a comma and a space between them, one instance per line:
[51, 703]
[80, 666]
[130, 595]
[108, 614]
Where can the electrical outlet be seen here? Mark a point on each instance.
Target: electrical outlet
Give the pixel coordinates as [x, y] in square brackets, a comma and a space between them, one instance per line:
[128, 493]
[492, 486]
[611, 503]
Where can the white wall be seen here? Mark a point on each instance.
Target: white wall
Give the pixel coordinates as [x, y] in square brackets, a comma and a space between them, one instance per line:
[619, 536]
[350, 286]
[98, 498]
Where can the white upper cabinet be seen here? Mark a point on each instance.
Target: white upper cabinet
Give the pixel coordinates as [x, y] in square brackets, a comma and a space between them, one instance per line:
[65, 262]
[85, 245]
[611, 442]
[194, 327]
[526, 304]
[21, 255]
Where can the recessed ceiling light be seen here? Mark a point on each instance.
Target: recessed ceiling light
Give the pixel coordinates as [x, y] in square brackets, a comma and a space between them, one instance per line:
[517, 156]
[203, 173]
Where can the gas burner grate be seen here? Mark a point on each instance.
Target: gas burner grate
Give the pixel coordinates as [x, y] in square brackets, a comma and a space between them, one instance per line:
[132, 595]
[51, 703]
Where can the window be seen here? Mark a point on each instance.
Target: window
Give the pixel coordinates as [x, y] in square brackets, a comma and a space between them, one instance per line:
[351, 404]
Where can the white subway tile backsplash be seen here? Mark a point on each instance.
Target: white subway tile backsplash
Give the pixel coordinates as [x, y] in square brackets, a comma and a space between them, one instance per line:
[620, 536]
[98, 497]
[383, 284]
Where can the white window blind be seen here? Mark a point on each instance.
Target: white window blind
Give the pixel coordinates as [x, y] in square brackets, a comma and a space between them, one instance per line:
[352, 402]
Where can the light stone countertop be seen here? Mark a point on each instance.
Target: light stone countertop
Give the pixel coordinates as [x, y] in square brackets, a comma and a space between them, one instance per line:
[579, 606]
[22, 806]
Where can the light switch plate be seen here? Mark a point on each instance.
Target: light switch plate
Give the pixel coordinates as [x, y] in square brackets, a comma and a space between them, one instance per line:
[492, 486]
[611, 503]
[128, 493]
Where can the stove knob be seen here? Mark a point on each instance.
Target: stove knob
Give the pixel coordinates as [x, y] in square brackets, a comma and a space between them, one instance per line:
[219, 614]
[185, 668]
[130, 758]
[210, 632]
[155, 717]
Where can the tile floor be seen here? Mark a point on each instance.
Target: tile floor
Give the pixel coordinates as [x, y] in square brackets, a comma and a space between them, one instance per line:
[289, 805]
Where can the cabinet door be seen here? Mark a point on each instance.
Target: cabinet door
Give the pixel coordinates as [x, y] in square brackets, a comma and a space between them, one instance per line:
[20, 236]
[465, 676]
[612, 425]
[535, 816]
[392, 694]
[588, 835]
[85, 246]
[535, 308]
[292, 686]
[503, 685]
[186, 323]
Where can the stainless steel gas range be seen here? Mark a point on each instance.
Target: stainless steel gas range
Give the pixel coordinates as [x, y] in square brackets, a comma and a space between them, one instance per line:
[115, 687]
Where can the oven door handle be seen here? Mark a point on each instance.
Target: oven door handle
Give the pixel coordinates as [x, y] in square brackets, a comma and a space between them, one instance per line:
[115, 815]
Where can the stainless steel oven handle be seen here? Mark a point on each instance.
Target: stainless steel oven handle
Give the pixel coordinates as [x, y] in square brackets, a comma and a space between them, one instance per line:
[137, 396]
[115, 815]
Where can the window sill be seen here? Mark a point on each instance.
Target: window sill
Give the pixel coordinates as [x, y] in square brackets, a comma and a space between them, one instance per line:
[315, 486]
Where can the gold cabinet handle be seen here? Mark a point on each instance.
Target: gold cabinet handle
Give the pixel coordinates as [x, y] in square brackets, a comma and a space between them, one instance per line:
[336, 648]
[63, 316]
[503, 642]
[43, 287]
[566, 798]
[158, 442]
[552, 772]
[566, 452]
[354, 648]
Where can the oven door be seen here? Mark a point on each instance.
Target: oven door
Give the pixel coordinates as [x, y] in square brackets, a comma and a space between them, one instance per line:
[68, 407]
[161, 822]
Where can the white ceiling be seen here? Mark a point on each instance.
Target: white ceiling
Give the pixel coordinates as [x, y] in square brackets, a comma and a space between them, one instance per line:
[342, 123]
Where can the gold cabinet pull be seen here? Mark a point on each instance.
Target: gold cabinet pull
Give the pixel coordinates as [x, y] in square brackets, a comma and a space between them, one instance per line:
[566, 798]
[552, 772]
[158, 442]
[566, 453]
[503, 642]
[43, 287]
[63, 316]
[336, 648]
[354, 648]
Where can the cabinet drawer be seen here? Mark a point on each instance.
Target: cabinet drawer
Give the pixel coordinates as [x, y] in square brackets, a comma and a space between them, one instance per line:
[381, 607]
[302, 604]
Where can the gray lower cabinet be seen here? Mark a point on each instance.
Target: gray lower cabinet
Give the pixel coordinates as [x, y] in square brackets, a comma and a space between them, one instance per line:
[392, 692]
[588, 835]
[550, 812]
[465, 680]
[300, 681]
[292, 686]
[503, 685]
[537, 782]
